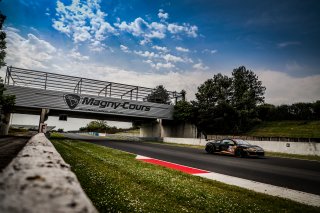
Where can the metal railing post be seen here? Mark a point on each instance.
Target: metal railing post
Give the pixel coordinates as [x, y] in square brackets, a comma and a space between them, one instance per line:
[45, 83]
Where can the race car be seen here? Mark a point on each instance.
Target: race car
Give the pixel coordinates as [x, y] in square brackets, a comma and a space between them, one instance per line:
[236, 147]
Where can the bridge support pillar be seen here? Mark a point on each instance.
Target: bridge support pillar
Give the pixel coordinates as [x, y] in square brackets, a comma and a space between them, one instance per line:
[166, 128]
[43, 118]
[4, 123]
[150, 129]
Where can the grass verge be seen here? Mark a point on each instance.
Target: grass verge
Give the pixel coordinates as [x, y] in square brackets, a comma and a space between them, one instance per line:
[294, 129]
[294, 156]
[116, 182]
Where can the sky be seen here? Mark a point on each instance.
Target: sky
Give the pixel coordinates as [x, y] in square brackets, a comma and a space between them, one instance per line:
[176, 43]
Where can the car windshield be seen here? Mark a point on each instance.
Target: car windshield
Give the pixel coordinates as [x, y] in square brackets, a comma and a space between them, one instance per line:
[239, 141]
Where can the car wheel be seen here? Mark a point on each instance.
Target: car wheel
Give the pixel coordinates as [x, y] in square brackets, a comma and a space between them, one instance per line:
[239, 153]
[210, 149]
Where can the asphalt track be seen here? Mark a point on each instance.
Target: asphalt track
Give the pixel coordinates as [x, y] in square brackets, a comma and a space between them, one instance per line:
[294, 174]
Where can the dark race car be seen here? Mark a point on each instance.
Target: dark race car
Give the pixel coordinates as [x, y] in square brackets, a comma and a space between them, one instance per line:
[236, 147]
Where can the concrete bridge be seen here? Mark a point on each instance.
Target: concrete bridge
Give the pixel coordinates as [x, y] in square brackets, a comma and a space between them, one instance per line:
[51, 94]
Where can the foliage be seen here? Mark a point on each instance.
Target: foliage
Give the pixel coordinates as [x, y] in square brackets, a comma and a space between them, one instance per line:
[214, 112]
[6, 101]
[159, 95]
[214, 91]
[60, 130]
[116, 182]
[2, 41]
[96, 126]
[227, 104]
[247, 90]
[184, 111]
[103, 127]
[296, 111]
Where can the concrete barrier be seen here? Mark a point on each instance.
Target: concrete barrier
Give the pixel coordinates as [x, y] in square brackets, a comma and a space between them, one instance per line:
[188, 141]
[301, 148]
[39, 180]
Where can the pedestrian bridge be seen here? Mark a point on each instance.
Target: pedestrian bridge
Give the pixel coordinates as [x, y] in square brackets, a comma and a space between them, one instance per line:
[83, 97]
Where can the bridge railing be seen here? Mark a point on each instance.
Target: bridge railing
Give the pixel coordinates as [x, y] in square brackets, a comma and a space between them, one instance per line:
[58, 82]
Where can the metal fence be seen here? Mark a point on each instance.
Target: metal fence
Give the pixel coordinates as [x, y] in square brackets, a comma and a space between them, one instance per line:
[57, 82]
[257, 138]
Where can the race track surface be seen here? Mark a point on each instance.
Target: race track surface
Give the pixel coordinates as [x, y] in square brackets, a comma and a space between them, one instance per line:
[295, 174]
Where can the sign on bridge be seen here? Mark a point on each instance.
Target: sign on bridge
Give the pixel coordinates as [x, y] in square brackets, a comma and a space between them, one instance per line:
[34, 89]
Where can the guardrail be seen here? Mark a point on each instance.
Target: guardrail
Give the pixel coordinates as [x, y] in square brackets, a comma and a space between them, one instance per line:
[58, 82]
[256, 138]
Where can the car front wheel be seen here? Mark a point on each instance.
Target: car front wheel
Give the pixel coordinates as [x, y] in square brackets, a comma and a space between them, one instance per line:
[210, 149]
[239, 153]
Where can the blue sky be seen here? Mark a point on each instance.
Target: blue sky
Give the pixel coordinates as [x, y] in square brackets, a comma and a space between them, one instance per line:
[175, 43]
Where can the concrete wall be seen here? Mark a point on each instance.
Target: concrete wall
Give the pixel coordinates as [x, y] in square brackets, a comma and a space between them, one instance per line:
[181, 130]
[38, 180]
[165, 128]
[301, 148]
[151, 129]
[188, 141]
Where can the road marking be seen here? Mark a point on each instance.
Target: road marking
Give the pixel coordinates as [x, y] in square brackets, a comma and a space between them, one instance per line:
[185, 169]
[295, 195]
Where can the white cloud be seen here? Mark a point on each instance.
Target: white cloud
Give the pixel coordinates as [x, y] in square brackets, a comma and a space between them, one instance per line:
[172, 58]
[164, 65]
[31, 52]
[155, 30]
[162, 15]
[288, 43]
[136, 28]
[285, 89]
[77, 55]
[28, 52]
[124, 48]
[294, 66]
[140, 28]
[161, 49]
[181, 49]
[200, 66]
[209, 51]
[146, 54]
[190, 30]
[159, 65]
[83, 21]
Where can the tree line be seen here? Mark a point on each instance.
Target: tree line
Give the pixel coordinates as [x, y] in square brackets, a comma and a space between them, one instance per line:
[233, 105]
[102, 127]
[296, 111]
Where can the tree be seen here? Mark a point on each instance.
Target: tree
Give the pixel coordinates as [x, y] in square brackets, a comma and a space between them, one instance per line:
[184, 111]
[159, 95]
[6, 101]
[213, 110]
[247, 89]
[214, 91]
[316, 110]
[2, 40]
[96, 126]
[266, 112]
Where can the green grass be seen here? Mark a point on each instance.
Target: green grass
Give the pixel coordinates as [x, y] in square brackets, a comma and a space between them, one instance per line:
[294, 129]
[294, 156]
[56, 135]
[116, 182]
